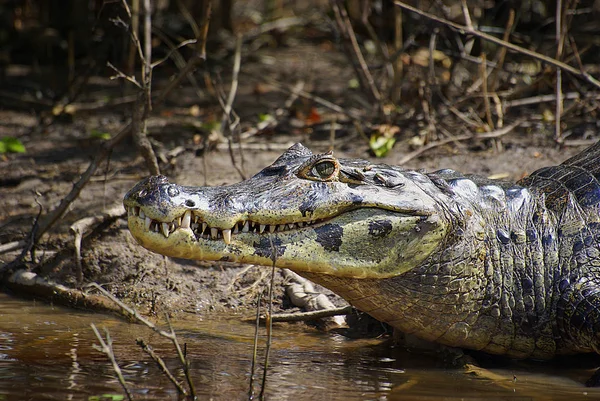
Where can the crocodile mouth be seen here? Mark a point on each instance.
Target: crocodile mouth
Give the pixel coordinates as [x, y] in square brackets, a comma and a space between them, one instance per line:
[201, 229]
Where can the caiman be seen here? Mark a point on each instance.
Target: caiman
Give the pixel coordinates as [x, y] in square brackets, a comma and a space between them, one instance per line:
[461, 260]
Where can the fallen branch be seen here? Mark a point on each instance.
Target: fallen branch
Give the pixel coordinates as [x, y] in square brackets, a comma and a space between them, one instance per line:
[87, 225]
[30, 283]
[313, 315]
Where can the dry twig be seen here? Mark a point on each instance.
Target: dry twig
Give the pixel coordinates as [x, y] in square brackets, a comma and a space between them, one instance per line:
[199, 55]
[143, 106]
[501, 54]
[170, 335]
[254, 349]
[269, 325]
[486, 98]
[362, 70]
[106, 348]
[487, 135]
[88, 224]
[162, 366]
[313, 315]
[226, 120]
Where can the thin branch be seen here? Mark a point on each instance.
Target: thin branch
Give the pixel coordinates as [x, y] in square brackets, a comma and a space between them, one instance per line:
[162, 366]
[172, 51]
[106, 348]
[147, 57]
[560, 36]
[143, 106]
[306, 95]
[134, 35]
[484, 86]
[362, 70]
[466, 14]
[269, 325]
[227, 107]
[312, 315]
[550, 98]
[465, 30]
[487, 135]
[254, 348]
[197, 58]
[501, 54]
[121, 74]
[171, 335]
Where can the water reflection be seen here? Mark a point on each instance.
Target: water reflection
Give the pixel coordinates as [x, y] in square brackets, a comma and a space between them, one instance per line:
[46, 353]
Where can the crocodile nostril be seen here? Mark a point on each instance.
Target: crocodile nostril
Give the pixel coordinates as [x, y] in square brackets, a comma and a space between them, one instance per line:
[190, 203]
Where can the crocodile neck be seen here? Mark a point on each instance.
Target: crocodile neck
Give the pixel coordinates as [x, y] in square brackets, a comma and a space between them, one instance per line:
[490, 286]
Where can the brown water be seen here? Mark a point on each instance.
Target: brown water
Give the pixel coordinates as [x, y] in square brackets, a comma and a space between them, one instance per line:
[46, 353]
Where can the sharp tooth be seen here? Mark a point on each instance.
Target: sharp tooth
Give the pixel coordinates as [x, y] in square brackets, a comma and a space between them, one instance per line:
[186, 220]
[272, 228]
[227, 236]
[281, 227]
[142, 214]
[214, 232]
[246, 227]
[204, 225]
[165, 229]
[261, 228]
[235, 230]
[147, 223]
[291, 226]
[178, 221]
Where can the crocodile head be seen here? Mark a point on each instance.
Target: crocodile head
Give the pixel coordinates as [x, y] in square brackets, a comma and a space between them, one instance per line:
[310, 213]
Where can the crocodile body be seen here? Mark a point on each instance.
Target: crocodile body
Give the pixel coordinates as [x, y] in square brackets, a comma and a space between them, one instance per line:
[511, 269]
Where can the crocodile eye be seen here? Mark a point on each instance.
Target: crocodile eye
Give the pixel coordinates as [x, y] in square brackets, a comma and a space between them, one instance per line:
[324, 169]
[320, 168]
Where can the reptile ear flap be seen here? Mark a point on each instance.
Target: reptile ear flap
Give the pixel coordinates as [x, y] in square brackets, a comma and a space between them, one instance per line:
[299, 150]
[294, 152]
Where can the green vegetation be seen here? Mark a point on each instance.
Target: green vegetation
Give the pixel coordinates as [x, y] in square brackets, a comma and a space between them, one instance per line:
[9, 144]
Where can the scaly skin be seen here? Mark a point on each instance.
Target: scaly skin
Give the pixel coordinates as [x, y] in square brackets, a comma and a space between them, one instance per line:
[505, 268]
